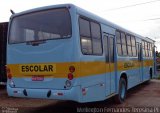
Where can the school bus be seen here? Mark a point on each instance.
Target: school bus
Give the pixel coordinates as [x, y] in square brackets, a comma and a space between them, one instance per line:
[64, 52]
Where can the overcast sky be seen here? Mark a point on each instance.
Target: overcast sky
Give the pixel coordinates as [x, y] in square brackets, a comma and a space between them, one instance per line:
[139, 16]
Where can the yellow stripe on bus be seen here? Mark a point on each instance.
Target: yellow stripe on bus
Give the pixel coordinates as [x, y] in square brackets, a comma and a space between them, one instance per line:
[82, 69]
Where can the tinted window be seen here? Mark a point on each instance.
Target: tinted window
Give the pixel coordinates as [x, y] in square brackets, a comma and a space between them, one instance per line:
[95, 30]
[124, 49]
[134, 51]
[119, 46]
[86, 45]
[126, 44]
[111, 49]
[97, 46]
[134, 48]
[84, 27]
[129, 46]
[123, 38]
[133, 41]
[118, 37]
[142, 44]
[121, 43]
[129, 51]
[105, 43]
[90, 34]
[119, 49]
[42, 25]
[128, 40]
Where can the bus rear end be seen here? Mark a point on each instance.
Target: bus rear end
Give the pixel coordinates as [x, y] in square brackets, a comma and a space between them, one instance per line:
[40, 55]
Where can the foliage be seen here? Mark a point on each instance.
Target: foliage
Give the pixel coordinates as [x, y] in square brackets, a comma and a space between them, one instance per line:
[158, 54]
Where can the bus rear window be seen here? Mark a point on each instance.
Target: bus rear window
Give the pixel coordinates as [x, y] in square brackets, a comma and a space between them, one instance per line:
[42, 25]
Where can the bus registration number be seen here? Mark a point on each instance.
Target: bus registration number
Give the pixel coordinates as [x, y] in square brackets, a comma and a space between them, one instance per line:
[37, 78]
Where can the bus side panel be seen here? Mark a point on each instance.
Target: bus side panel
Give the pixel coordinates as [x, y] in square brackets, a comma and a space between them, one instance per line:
[132, 73]
[93, 88]
[148, 65]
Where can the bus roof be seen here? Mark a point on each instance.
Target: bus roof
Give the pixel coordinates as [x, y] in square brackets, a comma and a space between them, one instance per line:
[84, 12]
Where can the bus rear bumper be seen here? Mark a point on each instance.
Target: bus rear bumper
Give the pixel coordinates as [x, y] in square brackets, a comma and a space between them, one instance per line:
[69, 94]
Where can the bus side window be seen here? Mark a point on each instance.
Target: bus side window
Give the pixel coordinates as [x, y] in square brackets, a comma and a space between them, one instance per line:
[111, 42]
[124, 47]
[105, 43]
[96, 38]
[134, 49]
[85, 36]
[119, 47]
[90, 34]
[129, 46]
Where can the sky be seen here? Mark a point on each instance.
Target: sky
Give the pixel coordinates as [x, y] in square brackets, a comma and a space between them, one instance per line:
[139, 16]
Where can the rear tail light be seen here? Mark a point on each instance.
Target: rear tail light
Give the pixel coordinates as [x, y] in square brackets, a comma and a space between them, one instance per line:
[70, 76]
[71, 69]
[9, 74]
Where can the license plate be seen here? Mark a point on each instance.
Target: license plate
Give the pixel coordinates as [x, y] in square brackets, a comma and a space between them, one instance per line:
[37, 78]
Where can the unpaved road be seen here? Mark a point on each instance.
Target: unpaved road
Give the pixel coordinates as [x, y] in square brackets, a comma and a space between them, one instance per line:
[144, 97]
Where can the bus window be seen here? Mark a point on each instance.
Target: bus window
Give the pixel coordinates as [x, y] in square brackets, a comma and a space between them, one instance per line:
[111, 42]
[119, 47]
[96, 38]
[90, 34]
[86, 44]
[129, 46]
[39, 25]
[146, 51]
[124, 47]
[105, 43]
[133, 42]
[84, 28]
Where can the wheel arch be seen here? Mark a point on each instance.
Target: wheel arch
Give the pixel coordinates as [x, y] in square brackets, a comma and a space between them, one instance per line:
[124, 75]
[151, 72]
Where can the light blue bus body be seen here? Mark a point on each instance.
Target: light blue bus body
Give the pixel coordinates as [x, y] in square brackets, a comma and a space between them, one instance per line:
[97, 67]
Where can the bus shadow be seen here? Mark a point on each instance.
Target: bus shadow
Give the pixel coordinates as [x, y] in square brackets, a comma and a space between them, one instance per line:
[73, 107]
[138, 88]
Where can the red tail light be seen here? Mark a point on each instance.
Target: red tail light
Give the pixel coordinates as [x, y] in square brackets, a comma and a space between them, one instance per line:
[70, 76]
[71, 69]
[9, 74]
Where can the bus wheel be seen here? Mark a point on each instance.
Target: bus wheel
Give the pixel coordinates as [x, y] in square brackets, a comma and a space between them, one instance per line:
[120, 97]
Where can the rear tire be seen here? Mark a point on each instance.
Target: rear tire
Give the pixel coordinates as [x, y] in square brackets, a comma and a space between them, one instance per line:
[150, 72]
[120, 97]
[150, 77]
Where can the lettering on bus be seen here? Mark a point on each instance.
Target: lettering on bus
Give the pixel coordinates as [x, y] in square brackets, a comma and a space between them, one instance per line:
[128, 64]
[37, 68]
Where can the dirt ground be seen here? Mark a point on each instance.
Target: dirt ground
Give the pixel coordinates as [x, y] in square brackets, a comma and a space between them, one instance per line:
[140, 98]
